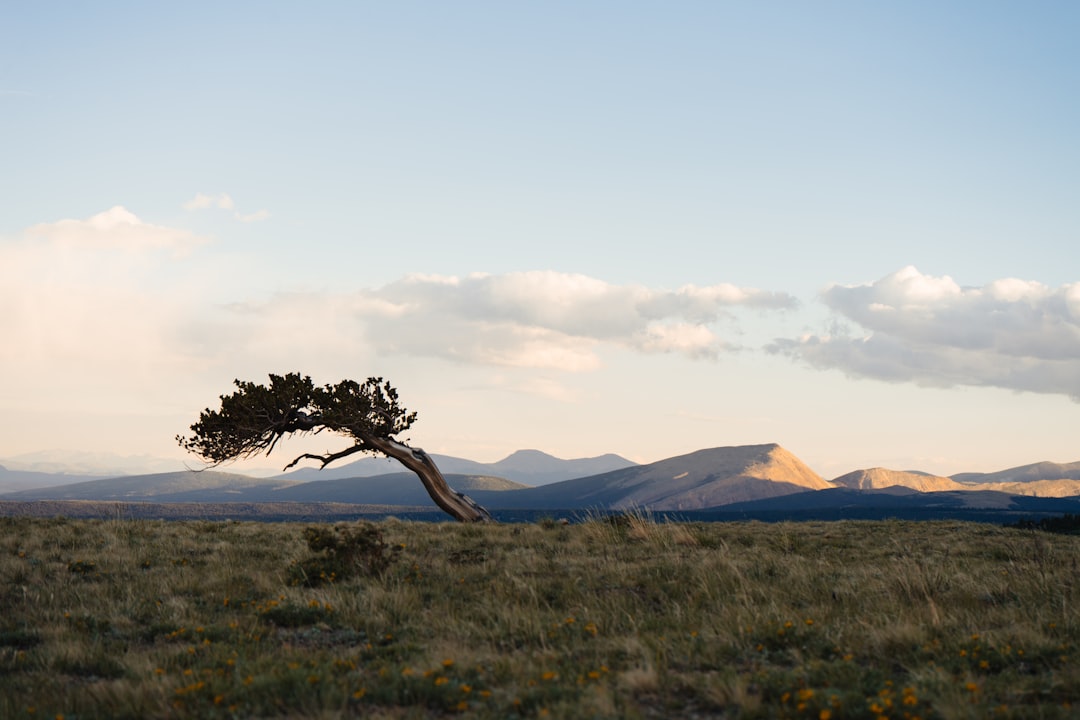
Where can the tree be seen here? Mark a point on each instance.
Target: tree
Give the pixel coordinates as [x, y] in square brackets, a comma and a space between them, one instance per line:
[253, 419]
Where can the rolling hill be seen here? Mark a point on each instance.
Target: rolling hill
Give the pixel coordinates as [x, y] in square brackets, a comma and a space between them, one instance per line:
[1043, 479]
[146, 487]
[879, 478]
[14, 480]
[1024, 473]
[750, 478]
[706, 478]
[840, 502]
[401, 488]
[529, 467]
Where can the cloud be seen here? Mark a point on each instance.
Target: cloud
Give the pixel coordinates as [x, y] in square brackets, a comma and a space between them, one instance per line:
[201, 202]
[223, 202]
[548, 319]
[116, 228]
[539, 319]
[111, 311]
[1010, 333]
[256, 216]
[83, 306]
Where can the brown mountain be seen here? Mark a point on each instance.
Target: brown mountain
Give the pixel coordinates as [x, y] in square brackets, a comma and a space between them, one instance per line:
[146, 487]
[878, 478]
[1033, 488]
[1025, 473]
[1041, 479]
[706, 478]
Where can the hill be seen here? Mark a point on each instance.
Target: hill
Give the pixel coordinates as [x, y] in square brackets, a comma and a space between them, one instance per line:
[840, 503]
[716, 478]
[145, 487]
[1024, 473]
[15, 480]
[1035, 488]
[528, 467]
[878, 478]
[1043, 479]
[706, 478]
[401, 488]
[209, 486]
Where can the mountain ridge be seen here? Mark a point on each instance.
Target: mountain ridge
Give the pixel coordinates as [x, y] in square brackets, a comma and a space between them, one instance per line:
[704, 478]
[530, 467]
[1044, 470]
[709, 478]
[878, 478]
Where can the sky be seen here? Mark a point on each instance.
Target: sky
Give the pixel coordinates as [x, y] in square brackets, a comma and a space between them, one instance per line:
[641, 228]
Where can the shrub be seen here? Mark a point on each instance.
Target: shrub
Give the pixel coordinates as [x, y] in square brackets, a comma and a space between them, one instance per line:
[343, 552]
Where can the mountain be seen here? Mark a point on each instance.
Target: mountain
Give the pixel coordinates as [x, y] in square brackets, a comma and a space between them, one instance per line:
[1034, 488]
[1024, 474]
[878, 478]
[529, 467]
[209, 486]
[145, 487]
[533, 467]
[402, 488]
[13, 480]
[841, 500]
[706, 478]
[1044, 479]
[83, 463]
[1041, 479]
[702, 479]
[717, 479]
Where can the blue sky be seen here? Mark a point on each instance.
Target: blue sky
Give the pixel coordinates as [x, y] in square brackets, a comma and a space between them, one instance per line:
[643, 228]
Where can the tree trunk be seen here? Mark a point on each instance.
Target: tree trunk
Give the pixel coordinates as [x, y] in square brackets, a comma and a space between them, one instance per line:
[457, 505]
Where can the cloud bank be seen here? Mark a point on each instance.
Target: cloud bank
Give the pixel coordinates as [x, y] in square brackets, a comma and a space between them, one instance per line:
[98, 310]
[115, 229]
[1010, 333]
[540, 319]
[84, 306]
[88, 306]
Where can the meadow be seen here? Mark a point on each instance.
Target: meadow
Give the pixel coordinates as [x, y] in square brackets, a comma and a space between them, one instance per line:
[619, 618]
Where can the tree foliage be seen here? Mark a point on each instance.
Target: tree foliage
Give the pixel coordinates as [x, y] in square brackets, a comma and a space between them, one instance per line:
[253, 419]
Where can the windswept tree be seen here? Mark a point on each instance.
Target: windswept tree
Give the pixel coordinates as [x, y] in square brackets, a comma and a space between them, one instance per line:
[253, 419]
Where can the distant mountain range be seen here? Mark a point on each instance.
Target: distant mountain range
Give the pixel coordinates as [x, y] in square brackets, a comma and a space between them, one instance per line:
[73, 462]
[706, 478]
[529, 467]
[739, 479]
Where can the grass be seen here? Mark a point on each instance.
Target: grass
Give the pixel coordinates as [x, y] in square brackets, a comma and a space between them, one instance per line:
[627, 618]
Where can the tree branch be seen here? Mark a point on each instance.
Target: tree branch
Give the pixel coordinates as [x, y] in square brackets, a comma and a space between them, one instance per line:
[329, 457]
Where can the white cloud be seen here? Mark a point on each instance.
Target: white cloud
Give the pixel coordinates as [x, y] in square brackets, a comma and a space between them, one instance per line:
[1011, 333]
[201, 202]
[541, 319]
[688, 339]
[83, 308]
[548, 319]
[115, 228]
[256, 216]
[100, 315]
[223, 201]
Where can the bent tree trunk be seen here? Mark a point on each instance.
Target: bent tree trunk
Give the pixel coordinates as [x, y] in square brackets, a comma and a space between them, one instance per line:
[458, 505]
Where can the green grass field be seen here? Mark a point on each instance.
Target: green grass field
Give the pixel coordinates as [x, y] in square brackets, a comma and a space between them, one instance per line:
[154, 619]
